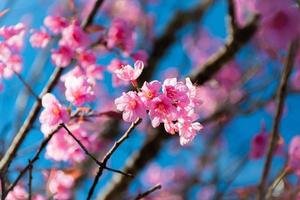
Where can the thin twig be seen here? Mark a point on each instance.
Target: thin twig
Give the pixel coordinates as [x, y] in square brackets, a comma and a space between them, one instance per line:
[91, 16]
[33, 160]
[151, 190]
[28, 87]
[109, 154]
[91, 156]
[281, 94]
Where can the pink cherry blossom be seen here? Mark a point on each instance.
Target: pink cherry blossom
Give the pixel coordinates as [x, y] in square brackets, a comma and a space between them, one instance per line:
[176, 91]
[131, 105]
[187, 127]
[86, 58]
[128, 73]
[62, 57]
[79, 90]
[115, 65]
[121, 34]
[161, 109]
[14, 36]
[53, 114]
[18, 193]
[259, 145]
[9, 31]
[149, 91]
[62, 147]
[40, 39]
[294, 155]
[140, 55]
[60, 184]
[55, 23]
[74, 36]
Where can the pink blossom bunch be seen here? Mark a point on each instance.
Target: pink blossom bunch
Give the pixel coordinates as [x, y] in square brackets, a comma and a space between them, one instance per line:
[10, 46]
[62, 147]
[53, 114]
[40, 39]
[121, 34]
[172, 103]
[60, 184]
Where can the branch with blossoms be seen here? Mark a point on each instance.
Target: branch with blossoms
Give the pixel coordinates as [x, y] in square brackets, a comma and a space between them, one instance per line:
[99, 49]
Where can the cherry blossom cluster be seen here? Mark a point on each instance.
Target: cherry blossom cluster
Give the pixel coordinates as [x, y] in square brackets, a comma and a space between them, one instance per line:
[11, 44]
[173, 103]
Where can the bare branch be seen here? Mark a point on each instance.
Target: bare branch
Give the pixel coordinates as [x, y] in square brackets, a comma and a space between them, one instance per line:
[281, 94]
[91, 156]
[163, 43]
[151, 190]
[109, 154]
[28, 87]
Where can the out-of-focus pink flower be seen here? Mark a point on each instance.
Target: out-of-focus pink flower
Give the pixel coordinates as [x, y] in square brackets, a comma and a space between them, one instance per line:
[131, 105]
[128, 73]
[278, 29]
[74, 36]
[296, 80]
[18, 193]
[141, 55]
[55, 23]
[62, 57]
[9, 31]
[119, 9]
[62, 147]
[294, 155]
[244, 10]
[14, 36]
[60, 184]
[161, 109]
[259, 144]
[206, 193]
[79, 90]
[149, 91]
[115, 65]
[40, 39]
[121, 34]
[53, 114]
[86, 58]
[187, 130]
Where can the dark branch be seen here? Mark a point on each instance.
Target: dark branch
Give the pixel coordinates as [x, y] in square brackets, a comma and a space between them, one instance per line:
[281, 94]
[91, 156]
[163, 43]
[151, 190]
[109, 154]
[234, 44]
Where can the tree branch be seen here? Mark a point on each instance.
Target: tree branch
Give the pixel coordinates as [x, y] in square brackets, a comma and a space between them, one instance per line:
[109, 154]
[151, 190]
[91, 156]
[163, 43]
[281, 94]
[234, 43]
